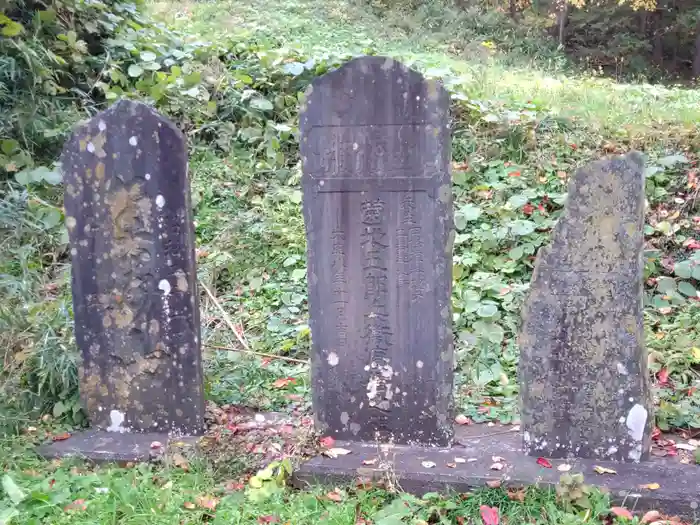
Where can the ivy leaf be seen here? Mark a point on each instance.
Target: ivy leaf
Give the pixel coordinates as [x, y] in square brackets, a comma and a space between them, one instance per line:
[11, 28]
[135, 70]
[687, 289]
[683, 270]
[487, 310]
[294, 68]
[262, 104]
[522, 227]
[148, 56]
[11, 488]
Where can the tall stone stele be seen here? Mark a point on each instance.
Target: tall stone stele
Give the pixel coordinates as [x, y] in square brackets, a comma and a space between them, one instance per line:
[128, 213]
[583, 366]
[377, 204]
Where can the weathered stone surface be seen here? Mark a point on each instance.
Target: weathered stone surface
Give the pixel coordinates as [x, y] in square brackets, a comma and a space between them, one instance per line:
[128, 213]
[378, 211]
[583, 365]
[467, 466]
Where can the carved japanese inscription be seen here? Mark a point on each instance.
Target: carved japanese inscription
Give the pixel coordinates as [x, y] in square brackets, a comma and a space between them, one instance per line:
[128, 214]
[583, 367]
[377, 208]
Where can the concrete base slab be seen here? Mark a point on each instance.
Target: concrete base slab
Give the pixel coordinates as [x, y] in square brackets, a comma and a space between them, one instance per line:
[469, 464]
[103, 447]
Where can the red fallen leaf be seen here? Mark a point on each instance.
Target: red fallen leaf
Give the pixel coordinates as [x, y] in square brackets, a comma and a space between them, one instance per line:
[78, 504]
[621, 512]
[656, 433]
[528, 209]
[662, 376]
[61, 437]
[573, 146]
[286, 429]
[52, 483]
[489, 515]
[327, 442]
[268, 519]
[335, 496]
[692, 244]
[540, 208]
[542, 462]
[295, 397]
[265, 361]
[284, 381]
[514, 174]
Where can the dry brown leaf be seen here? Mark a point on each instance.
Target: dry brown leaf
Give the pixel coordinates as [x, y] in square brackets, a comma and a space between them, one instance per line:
[650, 486]
[603, 470]
[372, 461]
[621, 512]
[461, 419]
[516, 494]
[180, 461]
[189, 505]
[335, 495]
[156, 444]
[78, 504]
[451, 465]
[651, 516]
[207, 502]
[460, 460]
[497, 466]
[494, 483]
[564, 467]
[428, 464]
[498, 459]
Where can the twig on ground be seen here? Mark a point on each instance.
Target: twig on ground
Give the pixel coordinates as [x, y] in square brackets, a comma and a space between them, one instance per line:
[227, 319]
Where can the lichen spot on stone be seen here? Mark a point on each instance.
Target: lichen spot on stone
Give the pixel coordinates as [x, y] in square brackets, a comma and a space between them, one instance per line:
[160, 202]
[636, 421]
[344, 418]
[621, 369]
[148, 176]
[333, 359]
[91, 147]
[419, 364]
[117, 421]
[133, 141]
[164, 286]
[102, 125]
[70, 222]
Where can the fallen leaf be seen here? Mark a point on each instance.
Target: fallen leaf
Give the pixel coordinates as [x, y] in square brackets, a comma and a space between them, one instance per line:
[498, 459]
[207, 502]
[564, 467]
[516, 494]
[189, 505]
[460, 460]
[268, 519]
[489, 515]
[685, 446]
[327, 442]
[156, 444]
[428, 464]
[369, 461]
[335, 495]
[662, 375]
[451, 465]
[494, 483]
[336, 451]
[651, 516]
[603, 470]
[181, 462]
[78, 504]
[621, 512]
[650, 486]
[472, 460]
[284, 381]
[61, 437]
[461, 419]
[542, 462]
[497, 466]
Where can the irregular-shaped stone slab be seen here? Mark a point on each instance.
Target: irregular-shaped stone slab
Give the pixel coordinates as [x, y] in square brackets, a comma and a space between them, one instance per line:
[583, 366]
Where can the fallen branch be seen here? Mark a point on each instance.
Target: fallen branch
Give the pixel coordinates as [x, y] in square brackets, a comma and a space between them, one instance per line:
[260, 354]
[227, 319]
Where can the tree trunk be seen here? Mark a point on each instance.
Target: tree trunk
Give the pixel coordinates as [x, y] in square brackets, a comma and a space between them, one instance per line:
[562, 18]
[696, 57]
[513, 9]
[657, 44]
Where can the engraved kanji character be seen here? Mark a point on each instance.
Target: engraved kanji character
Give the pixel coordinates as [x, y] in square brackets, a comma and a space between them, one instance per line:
[372, 211]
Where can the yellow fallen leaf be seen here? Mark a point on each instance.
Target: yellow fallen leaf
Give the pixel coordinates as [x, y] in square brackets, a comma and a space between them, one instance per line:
[650, 486]
[336, 451]
[189, 505]
[603, 470]
[696, 353]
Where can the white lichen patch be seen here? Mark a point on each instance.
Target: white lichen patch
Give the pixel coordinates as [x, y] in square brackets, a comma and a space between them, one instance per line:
[419, 364]
[372, 387]
[621, 369]
[164, 286]
[160, 202]
[91, 147]
[70, 222]
[344, 418]
[133, 141]
[117, 419]
[636, 421]
[333, 359]
[102, 125]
